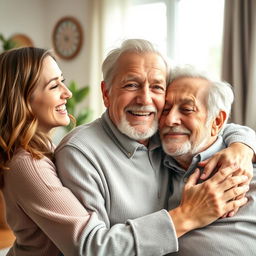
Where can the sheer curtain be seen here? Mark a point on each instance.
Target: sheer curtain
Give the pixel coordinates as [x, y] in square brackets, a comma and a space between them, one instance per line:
[109, 19]
[239, 58]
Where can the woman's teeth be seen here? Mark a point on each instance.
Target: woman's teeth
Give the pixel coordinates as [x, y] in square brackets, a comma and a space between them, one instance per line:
[61, 108]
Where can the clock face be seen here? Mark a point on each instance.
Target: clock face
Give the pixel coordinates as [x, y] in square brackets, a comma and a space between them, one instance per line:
[67, 38]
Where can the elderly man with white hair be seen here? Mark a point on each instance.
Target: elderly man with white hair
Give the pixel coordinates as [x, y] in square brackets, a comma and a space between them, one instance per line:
[114, 165]
[195, 112]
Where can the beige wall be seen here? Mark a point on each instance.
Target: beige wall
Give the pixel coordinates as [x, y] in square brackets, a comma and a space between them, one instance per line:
[36, 18]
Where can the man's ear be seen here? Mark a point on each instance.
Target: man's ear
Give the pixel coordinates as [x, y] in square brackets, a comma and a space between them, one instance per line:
[218, 122]
[105, 94]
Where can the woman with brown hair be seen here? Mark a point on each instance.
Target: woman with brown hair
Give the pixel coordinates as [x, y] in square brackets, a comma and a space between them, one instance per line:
[32, 102]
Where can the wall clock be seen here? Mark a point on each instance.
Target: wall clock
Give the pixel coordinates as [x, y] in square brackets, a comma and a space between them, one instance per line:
[67, 38]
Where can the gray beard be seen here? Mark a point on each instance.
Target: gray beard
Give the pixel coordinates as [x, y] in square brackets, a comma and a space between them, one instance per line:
[132, 133]
[186, 148]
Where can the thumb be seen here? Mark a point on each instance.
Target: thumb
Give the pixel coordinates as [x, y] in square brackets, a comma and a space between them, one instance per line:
[192, 181]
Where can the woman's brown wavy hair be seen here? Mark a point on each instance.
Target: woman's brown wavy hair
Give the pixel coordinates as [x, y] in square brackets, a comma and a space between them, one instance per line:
[20, 70]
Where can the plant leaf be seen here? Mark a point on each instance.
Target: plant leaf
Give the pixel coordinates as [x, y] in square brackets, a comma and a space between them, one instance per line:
[82, 93]
[79, 94]
[84, 116]
[72, 86]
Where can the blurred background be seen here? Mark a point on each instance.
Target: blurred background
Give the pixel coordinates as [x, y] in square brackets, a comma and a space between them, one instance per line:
[216, 35]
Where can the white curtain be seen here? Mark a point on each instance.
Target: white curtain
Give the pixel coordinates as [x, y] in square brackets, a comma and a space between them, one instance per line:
[109, 19]
[239, 58]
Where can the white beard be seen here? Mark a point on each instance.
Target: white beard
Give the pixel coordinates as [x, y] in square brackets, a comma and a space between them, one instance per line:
[133, 133]
[186, 148]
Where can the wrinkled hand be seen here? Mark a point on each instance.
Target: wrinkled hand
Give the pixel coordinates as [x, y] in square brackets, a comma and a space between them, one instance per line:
[236, 154]
[203, 203]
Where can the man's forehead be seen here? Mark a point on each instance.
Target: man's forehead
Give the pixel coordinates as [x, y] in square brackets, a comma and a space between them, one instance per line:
[150, 59]
[191, 81]
[137, 76]
[180, 98]
[188, 86]
[187, 93]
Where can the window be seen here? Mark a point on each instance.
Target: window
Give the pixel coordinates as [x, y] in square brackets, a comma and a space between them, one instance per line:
[188, 31]
[149, 21]
[199, 34]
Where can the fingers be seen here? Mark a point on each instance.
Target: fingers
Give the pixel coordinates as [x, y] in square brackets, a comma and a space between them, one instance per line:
[233, 181]
[223, 173]
[232, 213]
[237, 154]
[203, 163]
[242, 195]
[235, 204]
[248, 171]
[233, 193]
[193, 179]
[209, 166]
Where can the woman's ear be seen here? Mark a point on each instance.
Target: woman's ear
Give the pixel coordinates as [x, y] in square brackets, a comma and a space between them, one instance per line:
[105, 94]
[218, 122]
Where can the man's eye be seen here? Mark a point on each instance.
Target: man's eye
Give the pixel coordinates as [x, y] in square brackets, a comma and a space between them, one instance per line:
[187, 110]
[166, 111]
[158, 87]
[131, 86]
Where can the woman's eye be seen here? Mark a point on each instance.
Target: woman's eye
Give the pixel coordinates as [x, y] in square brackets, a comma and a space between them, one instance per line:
[54, 86]
[63, 80]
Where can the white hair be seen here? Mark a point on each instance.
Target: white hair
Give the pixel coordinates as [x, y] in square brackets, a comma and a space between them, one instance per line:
[140, 46]
[220, 95]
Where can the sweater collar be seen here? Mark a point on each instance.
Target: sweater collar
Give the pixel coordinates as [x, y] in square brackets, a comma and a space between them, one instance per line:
[127, 145]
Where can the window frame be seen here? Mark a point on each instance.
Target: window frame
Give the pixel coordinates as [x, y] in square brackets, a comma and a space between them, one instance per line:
[171, 11]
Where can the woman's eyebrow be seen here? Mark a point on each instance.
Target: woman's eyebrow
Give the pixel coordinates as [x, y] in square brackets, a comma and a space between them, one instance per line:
[53, 79]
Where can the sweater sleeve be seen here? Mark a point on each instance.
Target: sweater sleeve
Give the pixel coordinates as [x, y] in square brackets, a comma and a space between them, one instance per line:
[238, 133]
[37, 190]
[153, 234]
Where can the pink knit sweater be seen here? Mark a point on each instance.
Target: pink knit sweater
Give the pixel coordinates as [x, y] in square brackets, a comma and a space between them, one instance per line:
[45, 216]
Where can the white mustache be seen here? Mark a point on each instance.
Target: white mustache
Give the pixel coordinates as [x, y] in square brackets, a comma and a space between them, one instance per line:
[141, 108]
[177, 129]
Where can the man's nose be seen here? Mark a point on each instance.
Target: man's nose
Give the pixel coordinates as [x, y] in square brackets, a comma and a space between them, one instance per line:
[173, 118]
[144, 96]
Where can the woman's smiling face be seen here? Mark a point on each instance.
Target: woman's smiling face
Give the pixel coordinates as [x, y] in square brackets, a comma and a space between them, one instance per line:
[50, 96]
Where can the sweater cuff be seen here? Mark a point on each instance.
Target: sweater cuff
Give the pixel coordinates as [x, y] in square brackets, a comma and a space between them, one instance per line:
[154, 234]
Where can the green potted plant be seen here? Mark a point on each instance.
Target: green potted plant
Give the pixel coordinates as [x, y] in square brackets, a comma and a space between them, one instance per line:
[79, 94]
[7, 44]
